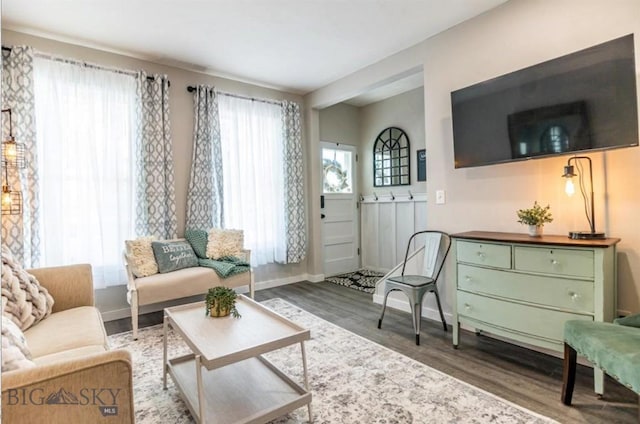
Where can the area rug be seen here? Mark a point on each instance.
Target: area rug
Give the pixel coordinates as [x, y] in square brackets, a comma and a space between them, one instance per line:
[364, 280]
[352, 379]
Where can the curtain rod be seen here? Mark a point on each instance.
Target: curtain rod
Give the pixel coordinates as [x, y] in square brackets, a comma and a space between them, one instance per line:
[191, 89]
[86, 64]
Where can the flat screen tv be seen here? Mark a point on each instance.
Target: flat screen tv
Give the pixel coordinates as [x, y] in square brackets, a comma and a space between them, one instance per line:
[583, 101]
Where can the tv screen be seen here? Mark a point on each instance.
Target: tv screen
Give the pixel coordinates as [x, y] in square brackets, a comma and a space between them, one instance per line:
[583, 101]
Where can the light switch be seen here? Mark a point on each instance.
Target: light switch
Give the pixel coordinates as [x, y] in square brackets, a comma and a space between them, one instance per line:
[440, 197]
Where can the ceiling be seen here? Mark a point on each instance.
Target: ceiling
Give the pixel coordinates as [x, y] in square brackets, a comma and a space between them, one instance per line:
[291, 45]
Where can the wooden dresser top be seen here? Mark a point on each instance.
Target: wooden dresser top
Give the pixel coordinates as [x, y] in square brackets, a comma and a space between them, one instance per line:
[556, 240]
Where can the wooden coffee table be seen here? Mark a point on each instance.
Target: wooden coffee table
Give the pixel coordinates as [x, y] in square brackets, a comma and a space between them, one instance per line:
[226, 380]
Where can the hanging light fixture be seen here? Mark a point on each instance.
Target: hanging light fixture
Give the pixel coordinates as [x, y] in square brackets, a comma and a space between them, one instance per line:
[12, 156]
[12, 152]
[11, 201]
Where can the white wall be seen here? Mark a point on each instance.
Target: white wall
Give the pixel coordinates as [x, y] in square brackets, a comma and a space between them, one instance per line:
[340, 124]
[181, 109]
[515, 35]
[405, 111]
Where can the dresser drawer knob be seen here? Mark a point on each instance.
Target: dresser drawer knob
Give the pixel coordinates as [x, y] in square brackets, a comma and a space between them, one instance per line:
[481, 255]
[467, 279]
[467, 307]
[554, 262]
[574, 296]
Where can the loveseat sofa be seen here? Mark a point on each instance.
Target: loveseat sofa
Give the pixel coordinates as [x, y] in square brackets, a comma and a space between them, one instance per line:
[178, 284]
[76, 378]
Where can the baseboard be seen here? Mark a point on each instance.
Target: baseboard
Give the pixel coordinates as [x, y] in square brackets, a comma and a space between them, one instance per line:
[403, 305]
[280, 282]
[315, 278]
[623, 313]
[146, 309]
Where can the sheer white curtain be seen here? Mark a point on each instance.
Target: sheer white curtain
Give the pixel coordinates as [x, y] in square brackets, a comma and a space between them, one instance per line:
[252, 161]
[85, 128]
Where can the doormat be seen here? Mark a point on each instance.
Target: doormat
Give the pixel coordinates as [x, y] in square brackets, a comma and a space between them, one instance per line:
[364, 280]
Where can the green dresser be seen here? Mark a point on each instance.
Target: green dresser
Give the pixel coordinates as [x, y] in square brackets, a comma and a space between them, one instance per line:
[524, 288]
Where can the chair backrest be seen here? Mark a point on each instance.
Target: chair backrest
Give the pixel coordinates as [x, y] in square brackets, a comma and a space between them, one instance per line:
[436, 248]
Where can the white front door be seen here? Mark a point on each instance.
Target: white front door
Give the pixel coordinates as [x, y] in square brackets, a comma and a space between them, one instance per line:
[339, 209]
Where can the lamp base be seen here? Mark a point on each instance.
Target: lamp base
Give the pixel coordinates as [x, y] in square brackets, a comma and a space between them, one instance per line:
[585, 235]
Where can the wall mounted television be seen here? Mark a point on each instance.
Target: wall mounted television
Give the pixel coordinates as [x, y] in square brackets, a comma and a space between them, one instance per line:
[580, 102]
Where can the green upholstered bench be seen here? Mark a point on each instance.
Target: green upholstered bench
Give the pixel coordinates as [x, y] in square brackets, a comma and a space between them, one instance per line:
[613, 348]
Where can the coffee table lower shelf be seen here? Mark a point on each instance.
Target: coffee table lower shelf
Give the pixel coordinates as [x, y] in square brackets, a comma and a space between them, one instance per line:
[251, 391]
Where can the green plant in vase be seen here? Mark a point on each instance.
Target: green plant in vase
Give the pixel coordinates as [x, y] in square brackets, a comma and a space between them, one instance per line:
[535, 218]
[220, 302]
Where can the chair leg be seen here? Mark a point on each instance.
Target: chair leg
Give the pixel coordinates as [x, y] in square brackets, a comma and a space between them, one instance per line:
[444, 322]
[568, 374]
[416, 312]
[384, 306]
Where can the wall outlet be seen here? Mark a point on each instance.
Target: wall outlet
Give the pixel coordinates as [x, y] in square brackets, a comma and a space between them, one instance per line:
[440, 197]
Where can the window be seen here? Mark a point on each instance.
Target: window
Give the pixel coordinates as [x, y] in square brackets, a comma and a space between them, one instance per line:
[337, 174]
[85, 121]
[253, 175]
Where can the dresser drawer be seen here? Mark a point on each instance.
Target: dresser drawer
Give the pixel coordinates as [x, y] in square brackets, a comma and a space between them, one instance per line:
[516, 317]
[572, 295]
[493, 255]
[549, 260]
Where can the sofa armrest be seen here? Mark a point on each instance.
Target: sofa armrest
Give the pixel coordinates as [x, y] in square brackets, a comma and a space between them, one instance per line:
[247, 255]
[97, 388]
[131, 279]
[70, 285]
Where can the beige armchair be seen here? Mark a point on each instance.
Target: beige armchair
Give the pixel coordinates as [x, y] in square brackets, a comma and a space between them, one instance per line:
[76, 378]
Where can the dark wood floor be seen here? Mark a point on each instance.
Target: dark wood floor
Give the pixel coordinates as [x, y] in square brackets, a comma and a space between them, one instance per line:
[527, 378]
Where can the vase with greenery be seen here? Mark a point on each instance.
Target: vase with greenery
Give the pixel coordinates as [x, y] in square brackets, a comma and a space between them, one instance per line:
[220, 302]
[535, 218]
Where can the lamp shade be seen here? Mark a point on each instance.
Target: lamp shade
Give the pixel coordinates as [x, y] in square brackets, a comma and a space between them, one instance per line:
[588, 200]
[13, 153]
[11, 201]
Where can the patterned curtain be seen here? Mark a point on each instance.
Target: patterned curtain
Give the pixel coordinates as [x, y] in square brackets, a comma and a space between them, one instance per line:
[205, 196]
[155, 193]
[21, 232]
[293, 180]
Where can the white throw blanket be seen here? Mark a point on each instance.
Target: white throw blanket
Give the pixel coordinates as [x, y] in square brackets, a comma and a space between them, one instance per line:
[24, 300]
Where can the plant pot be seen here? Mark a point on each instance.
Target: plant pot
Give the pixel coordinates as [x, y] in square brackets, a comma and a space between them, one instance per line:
[213, 311]
[535, 230]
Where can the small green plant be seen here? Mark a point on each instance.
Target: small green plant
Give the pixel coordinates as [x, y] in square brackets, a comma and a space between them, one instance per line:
[537, 215]
[221, 299]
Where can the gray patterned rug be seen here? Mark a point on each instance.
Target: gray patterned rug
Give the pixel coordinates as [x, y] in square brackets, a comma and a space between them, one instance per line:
[353, 380]
[364, 280]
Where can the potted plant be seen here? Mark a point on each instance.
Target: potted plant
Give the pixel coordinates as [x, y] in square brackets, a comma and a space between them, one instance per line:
[535, 218]
[220, 302]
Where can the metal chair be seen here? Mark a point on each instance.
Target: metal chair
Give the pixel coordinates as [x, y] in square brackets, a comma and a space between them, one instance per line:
[436, 248]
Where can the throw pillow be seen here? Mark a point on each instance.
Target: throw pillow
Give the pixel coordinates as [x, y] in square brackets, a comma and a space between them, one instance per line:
[173, 255]
[224, 243]
[140, 256]
[15, 353]
[24, 300]
[198, 240]
[629, 320]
